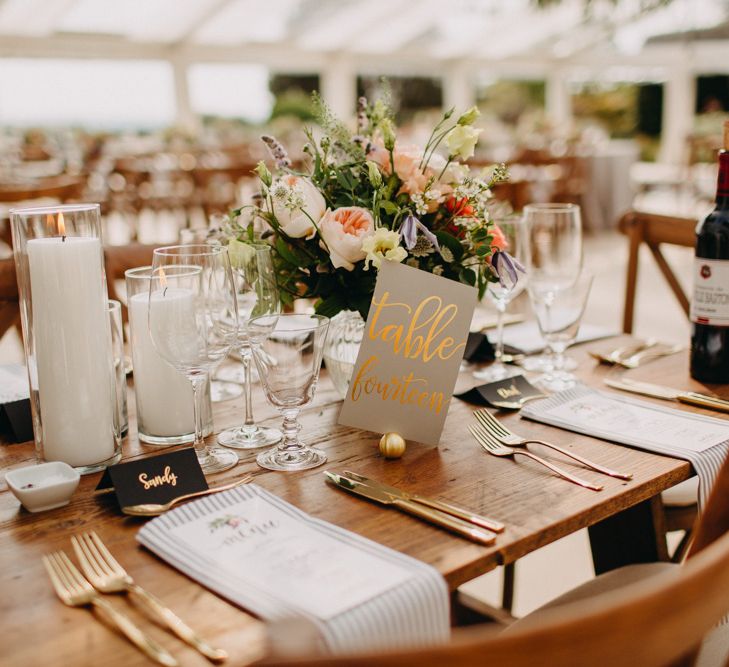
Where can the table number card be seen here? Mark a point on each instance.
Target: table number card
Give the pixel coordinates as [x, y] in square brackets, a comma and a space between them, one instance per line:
[411, 351]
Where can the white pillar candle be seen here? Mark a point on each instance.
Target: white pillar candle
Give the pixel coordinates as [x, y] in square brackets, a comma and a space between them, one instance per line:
[164, 396]
[73, 349]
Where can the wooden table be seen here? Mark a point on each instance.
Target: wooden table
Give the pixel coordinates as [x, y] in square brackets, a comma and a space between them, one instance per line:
[537, 507]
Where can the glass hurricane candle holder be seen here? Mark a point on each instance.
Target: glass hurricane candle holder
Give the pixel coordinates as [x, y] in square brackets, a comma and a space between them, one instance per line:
[66, 334]
[163, 396]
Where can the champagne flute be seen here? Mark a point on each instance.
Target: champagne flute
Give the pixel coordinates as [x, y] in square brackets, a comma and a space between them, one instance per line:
[506, 289]
[257, 292]
[559, 311]
[555, 236]
[288, 350]
[193, 323]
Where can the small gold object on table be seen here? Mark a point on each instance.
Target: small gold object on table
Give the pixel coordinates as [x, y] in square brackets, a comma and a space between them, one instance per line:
[392, 445]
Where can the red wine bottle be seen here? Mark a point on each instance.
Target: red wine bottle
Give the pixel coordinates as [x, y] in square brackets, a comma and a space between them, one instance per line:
[710, 304]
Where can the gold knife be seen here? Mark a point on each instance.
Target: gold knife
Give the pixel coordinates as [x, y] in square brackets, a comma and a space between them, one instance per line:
[669, 394]
[448, 508]
[467, 530]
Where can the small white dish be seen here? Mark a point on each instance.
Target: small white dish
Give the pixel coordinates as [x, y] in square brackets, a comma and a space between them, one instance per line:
[44, 486]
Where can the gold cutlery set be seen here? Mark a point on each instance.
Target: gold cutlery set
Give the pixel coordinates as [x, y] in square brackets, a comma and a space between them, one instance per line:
[498, 440]
[632, 355]
[103, 574]
[669, 394]
[155, 509]
[461, 521]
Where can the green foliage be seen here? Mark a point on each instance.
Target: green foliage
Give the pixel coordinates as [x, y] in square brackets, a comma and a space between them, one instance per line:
[358, 170]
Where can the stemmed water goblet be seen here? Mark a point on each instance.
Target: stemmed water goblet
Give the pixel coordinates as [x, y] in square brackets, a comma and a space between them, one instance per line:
[555, 238]
[511, 283]
[257, 292]
[193, 322]
[559, 311]
[288, 351]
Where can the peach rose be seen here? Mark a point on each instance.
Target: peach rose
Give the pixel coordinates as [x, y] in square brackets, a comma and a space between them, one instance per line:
[343, 230]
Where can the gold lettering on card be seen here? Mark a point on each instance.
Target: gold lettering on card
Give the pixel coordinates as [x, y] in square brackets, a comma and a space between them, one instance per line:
[158, 480]
[508, 392]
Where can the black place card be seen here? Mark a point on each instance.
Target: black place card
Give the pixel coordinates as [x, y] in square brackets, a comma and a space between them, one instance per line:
[16, 420]
[479, 348]
[154, 479]
[505, 394]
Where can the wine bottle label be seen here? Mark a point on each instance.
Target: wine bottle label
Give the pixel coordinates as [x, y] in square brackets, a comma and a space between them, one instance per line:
[710, 304]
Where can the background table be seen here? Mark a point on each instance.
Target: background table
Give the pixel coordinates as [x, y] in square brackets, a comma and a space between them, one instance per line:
[536, 507]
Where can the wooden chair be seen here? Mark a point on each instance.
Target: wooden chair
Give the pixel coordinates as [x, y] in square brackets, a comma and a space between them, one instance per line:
[654, 230]
[63, 188]
[654, 621]
[9, 305]
[117, 259]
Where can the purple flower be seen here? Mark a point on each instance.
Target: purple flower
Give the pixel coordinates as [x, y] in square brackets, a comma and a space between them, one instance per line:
[278, 152]
[409, 233]
[506, 265]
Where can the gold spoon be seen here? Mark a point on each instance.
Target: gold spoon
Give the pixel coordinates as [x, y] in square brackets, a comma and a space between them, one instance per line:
[154, 509]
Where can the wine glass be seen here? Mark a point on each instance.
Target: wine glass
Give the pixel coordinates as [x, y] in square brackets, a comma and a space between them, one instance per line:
[506, 289]
[559, 311]
[555, 237]
[193, 322]
[255, 283]
[288, 349]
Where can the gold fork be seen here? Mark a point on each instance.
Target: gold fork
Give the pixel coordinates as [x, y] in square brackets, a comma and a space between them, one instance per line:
[107, 576]
[507, 437]
[75, 591]
[493, 446]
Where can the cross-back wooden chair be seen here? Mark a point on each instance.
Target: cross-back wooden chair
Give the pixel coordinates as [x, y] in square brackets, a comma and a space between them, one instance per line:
[657, 620]
[117, 259]
[653, 231]
[9, 305]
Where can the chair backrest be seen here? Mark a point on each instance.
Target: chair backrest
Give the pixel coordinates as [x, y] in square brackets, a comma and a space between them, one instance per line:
[654, 230]
[9, 306]
[117, 259]
[657, 622]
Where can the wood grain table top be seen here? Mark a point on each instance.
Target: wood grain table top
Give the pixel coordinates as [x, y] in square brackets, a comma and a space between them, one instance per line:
[536, 506]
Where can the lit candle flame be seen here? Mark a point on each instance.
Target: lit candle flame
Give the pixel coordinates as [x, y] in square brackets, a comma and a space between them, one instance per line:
[163, 280]
[61, 226]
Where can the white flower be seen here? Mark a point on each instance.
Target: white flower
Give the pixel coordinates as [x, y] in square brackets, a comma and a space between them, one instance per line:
[383, 244]
[461, 141]
[455, 173]
[297, 205]
[343, 231]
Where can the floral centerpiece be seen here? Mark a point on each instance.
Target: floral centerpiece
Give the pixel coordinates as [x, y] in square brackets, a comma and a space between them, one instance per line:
[367, 197]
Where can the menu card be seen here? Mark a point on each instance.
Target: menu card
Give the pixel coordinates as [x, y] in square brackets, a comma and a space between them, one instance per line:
[269, 557]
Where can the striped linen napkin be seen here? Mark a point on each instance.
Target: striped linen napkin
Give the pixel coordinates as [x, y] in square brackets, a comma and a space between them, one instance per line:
[267, 556]
[701, 440]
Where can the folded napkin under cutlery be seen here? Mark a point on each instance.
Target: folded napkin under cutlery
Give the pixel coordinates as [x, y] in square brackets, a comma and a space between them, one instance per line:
[269, 557]
[701, 440]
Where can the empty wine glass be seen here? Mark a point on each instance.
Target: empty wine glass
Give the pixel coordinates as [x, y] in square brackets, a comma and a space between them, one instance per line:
[255, 284]
[511, 283]
[193, 322]
[559, 311]
[555, 239]
[288, 350]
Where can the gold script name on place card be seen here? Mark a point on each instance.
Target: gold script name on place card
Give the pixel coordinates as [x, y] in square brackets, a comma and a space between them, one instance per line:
[508, 392]
[158, 480]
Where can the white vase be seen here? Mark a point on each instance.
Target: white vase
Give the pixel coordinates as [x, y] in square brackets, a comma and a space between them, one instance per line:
[342, 347]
